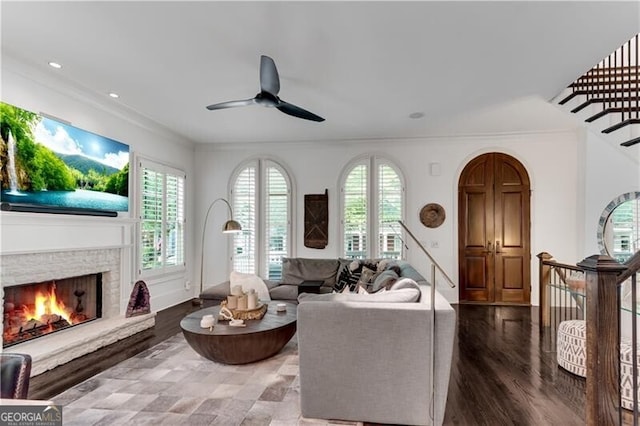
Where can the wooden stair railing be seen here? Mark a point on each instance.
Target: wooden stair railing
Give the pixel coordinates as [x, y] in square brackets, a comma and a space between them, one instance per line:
[603, 277]
[603, 331]
[633, 267]
[558, 302]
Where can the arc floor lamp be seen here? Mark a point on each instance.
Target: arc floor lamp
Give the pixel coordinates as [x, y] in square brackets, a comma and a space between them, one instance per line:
[231, 226]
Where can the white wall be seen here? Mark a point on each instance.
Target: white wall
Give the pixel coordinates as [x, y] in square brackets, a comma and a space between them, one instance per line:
[610, 171]
[37, 91]
[550, 158]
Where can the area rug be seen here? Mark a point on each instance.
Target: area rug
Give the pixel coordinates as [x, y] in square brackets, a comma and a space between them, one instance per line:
[171, 384]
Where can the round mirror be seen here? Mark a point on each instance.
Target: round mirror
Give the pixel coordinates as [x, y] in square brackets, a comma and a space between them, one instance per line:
[619, 227]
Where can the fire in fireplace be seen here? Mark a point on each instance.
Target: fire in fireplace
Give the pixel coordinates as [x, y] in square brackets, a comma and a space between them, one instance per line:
[34, 310]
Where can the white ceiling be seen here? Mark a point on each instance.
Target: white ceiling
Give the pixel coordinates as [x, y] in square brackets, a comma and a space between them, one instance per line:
[364, 66]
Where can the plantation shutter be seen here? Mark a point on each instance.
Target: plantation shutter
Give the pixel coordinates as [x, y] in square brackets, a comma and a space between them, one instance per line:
[174, 224]
[389, 212]
[244, 209]
[162, 218]
[276, 222]
[355, 213]
[151, 220]
[373, 202]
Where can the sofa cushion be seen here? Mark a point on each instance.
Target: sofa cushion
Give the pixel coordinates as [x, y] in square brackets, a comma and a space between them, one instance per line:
[296, 270]
[284, 292]
[216, 292]
[403, 295]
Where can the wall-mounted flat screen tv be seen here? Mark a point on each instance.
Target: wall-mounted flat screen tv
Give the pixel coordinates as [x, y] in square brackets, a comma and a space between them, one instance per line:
[48, 163]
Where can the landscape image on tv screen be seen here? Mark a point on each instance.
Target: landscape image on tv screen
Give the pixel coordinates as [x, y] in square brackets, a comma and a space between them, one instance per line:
[49, 163]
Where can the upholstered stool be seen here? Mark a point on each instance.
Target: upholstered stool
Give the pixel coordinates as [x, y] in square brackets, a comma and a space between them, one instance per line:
[572, 356]
[571, 347]
[626, 375]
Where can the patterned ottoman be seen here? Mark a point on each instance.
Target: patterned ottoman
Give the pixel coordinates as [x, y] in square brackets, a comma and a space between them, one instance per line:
[572, 356]
[626, 375]
[571, 348]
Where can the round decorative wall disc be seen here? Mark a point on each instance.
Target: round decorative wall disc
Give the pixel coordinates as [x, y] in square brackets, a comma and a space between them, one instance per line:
[432, 215]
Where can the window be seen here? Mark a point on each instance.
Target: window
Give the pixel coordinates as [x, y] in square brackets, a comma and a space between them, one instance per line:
[162, 218]
[626, 233]
[372, 204]
[261, 199]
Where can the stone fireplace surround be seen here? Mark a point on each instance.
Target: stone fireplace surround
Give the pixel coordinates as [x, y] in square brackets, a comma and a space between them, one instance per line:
[63, 346]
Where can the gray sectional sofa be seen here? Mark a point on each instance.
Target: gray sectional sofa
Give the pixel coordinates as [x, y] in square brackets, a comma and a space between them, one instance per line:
[364, 358]
[368, 357]
[295, 271]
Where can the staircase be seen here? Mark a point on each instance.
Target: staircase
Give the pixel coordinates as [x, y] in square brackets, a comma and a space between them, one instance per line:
[607, 97]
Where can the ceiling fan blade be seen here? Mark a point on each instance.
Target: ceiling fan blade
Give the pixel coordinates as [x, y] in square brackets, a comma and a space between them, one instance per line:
[269, 79]
[231, 104]
[296, 111]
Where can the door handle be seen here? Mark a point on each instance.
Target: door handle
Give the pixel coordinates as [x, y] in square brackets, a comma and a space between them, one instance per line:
[488, 250]
[498, 247]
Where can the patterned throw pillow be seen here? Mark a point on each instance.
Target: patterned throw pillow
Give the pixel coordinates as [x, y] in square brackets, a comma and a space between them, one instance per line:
[346, 280]
[356, 273]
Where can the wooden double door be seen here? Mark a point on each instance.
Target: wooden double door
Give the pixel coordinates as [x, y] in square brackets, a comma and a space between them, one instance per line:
[494, 231]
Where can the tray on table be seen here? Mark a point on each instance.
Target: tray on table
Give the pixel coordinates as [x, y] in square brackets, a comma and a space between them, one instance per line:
[246, 314]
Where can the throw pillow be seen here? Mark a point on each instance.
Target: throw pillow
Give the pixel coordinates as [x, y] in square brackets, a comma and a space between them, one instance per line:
[404, 283]
[355, 268]
[367, 276]
[370, 263]
[248, 282]
[409, 271]
[384, 280]
[346, 279]
[384, 264]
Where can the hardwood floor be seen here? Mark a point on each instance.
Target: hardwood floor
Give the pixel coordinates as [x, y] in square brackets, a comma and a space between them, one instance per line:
[499, 376]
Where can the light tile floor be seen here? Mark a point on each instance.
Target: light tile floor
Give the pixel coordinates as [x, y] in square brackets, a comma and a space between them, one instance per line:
[171, 384]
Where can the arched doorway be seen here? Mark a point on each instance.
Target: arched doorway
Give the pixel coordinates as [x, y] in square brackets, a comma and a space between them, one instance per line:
[494, 231]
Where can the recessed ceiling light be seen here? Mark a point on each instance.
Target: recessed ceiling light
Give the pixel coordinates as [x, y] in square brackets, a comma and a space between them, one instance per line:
[416, 114]
[55, 65]
[114, 95]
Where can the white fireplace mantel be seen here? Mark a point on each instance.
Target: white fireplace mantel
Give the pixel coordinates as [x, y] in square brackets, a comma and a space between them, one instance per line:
[41, 247]
[39, 232]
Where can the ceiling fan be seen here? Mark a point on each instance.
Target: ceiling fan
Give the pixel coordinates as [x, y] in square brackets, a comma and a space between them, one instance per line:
[268, 96]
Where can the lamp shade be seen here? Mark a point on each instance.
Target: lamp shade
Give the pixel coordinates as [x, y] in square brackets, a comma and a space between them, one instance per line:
[231, 226]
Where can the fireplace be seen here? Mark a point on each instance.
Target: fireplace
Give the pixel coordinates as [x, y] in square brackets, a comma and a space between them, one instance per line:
[46, 248]
[39, 309]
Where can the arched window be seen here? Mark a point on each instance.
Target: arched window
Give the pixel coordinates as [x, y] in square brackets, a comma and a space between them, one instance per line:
[261, 197]
[372, 203]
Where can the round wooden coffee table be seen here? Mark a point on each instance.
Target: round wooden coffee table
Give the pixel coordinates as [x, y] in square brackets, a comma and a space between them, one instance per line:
[260, 339]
